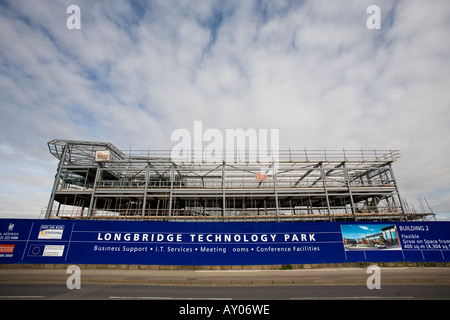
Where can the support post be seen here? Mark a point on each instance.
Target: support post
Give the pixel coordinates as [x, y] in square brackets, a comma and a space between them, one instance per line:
[55, 184]
[144, 204]
[274, 171]
[223, 191]
[324, 178]
[171, 190]
[94, 187]
[347, 181]
[396, 189]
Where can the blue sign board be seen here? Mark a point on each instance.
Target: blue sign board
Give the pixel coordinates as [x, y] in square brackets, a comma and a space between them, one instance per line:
[214, 243]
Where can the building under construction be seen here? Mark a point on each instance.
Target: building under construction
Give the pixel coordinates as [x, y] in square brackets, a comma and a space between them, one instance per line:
[95, 180]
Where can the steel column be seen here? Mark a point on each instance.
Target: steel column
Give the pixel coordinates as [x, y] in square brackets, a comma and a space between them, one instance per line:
[324, 178]
[172, 173]
[396, 188]
[144, 204]
[55, 184]
[223, 190]
[274, 171]
[347, 180]
[94, 187]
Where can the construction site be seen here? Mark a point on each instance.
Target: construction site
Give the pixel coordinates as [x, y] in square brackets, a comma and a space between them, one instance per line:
[95, 180]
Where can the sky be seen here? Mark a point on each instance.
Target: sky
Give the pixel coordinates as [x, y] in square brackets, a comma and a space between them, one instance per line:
[138, 70]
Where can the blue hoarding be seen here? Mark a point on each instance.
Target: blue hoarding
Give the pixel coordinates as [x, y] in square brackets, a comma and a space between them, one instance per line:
[205, 243]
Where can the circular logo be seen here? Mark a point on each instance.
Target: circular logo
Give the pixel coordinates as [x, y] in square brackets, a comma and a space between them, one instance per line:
[36, 250]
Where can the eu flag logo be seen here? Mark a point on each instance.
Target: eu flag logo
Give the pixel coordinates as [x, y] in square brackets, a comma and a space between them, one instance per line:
[36, 250]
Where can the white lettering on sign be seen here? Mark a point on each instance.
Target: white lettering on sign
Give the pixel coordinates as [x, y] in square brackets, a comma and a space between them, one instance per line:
[208, 237]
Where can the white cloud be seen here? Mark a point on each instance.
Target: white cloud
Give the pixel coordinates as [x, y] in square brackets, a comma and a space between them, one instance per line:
[138, 70]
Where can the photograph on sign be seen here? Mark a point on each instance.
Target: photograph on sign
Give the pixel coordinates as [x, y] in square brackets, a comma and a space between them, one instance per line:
[370, 237]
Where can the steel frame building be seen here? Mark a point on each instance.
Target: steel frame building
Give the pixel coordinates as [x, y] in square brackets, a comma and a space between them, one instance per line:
[307, 185]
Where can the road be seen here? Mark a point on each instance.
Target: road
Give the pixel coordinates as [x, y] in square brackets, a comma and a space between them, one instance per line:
[313, 284]
[55, 291]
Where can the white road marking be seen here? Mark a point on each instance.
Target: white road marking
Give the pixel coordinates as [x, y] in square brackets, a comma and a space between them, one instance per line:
[21, 297]
[166, 298]
[343, 298]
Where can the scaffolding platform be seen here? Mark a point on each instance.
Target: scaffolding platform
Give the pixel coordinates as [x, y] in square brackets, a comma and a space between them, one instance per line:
[95, 180]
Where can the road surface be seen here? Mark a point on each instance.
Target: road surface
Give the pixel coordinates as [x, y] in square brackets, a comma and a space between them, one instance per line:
[338, 283]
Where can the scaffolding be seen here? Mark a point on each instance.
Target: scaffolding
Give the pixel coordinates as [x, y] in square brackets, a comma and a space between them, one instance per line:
[95, 180]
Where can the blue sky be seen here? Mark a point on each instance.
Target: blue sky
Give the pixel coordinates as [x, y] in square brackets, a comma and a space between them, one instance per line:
[138, 70]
